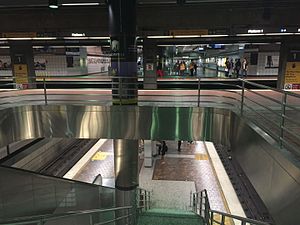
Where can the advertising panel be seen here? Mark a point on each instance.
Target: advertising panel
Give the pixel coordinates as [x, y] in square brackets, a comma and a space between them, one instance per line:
[5, 64]
[21, 76]
[40, 64]
[292, 71]
[272, 61]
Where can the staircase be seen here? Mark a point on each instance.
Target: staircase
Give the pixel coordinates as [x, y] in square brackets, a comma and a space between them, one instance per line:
[169, 217]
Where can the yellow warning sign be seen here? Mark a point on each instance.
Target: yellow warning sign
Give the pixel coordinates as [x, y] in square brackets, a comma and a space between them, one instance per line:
[21, 73]
[199, 156]
[292, 73]
[101, 156]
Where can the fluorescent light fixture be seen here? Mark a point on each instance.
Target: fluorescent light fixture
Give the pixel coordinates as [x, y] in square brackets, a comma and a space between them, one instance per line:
[215, 35]
[165, 45]
[78, 34]
[186, 36]
[274, 34]
[200, 48]
[241, 47]
[81, 4]
[18, 39]
[298, 29]
[99, 37]
[250, 35]
[44, 38]
[283, 30]
[53, 4]
[25, 38]
[76, 38]
[159, 36]
[255, 31]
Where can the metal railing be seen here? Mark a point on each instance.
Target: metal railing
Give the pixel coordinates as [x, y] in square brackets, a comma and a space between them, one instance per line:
[88, 217]
[143, 200]
[275, 111]
[200, 206]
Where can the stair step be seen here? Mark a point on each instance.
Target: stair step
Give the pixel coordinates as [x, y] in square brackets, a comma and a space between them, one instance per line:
[169, 217]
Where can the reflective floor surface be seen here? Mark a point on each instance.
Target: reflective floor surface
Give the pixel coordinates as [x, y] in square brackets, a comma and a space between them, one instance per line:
[171, 179]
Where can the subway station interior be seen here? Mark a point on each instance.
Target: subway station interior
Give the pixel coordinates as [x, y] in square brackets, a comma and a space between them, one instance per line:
[149, 112]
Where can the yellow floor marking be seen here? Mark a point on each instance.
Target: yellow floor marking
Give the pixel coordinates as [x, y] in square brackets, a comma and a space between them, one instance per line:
[101, 156]
[199, 156]
[218, 218]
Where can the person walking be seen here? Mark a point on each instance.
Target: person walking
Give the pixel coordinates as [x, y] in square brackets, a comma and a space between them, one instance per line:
[164, 149]
[177, 68]
[195, 68]
[191, 67]
[244, 67]
[238, 66]
[179, 146]
[227, 67]
[182, 68]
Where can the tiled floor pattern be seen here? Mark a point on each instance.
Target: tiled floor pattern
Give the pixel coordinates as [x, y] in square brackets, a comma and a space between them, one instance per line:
[197, 169]
[101, 163]
[171, 180]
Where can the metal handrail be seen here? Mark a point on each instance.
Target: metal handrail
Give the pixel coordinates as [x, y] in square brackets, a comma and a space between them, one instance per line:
[200, 206]
[41, 219]
[270, 88]
[143, 199]
[122, 84]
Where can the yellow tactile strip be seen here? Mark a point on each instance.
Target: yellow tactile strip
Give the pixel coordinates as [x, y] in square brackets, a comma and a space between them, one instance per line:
[200, 156]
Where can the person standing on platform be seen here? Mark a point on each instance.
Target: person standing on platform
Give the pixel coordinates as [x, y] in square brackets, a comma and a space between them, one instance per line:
[244, 67]
[164, 149]
[182, 68]
[191, 68]
[227, 67]
[159, 71]
[176, 68]
[238, 66]
[231, 72]
[195, 68]
[179, 146]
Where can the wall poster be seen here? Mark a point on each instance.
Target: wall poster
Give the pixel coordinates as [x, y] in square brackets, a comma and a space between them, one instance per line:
[292, 71]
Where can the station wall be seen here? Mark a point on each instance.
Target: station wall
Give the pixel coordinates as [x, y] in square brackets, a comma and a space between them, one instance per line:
[62, 63]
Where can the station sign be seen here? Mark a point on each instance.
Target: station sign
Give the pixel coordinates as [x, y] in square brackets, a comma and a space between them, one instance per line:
[149, 67]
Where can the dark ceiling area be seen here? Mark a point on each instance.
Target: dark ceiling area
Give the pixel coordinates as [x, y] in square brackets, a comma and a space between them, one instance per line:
[154, 17]
[4, 4]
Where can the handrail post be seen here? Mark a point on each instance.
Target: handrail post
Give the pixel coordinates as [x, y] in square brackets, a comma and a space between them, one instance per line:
[201, 202]
[199, 91]
[91, 219]
[242, 97]
[223, 220]
[212, 218]
[120, 90]
[45, 91]
[128, 217]
[282, 122]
